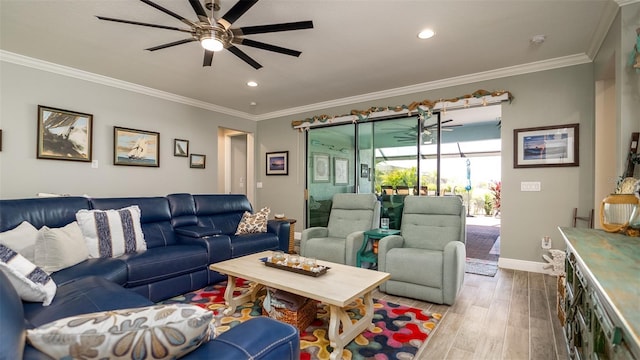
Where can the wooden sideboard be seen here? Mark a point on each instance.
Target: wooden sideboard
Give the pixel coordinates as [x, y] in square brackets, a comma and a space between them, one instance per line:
[602, 299]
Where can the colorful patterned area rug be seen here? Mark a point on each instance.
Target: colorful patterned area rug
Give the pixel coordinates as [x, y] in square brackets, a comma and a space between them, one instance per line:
[399, 330]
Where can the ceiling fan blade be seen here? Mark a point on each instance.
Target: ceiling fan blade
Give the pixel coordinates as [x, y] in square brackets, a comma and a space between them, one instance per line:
[169, 12]
[143, 24]
[264, 46]
[241, 7]
[197, 7]
[246, 58]
[164, 46]
[261, 29]
[208, 58]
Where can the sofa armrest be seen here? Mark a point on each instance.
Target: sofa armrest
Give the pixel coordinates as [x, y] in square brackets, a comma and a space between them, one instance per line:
[387, 243]
[197, 231]
[310, 233]
[453, 270]
[218, 246]
[258, 338]
[281, 229]
[353, 244]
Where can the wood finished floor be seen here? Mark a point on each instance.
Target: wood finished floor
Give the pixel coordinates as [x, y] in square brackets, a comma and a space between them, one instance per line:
[510, 316]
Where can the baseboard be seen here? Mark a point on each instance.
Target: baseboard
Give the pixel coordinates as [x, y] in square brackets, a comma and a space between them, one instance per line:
[523, 265]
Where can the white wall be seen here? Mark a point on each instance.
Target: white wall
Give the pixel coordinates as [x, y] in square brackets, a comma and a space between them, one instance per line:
[560, 96]
[22, 175]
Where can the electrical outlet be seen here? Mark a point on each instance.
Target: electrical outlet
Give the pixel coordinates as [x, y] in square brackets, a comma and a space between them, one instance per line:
[546, 242]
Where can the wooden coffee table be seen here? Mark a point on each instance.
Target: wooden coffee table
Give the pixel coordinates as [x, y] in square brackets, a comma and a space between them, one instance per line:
[339, 287]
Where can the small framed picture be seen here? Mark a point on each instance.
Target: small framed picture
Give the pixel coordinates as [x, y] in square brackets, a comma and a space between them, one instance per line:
[364, 171]
[197, 161]
[133, 147]
[546, 146]
[278, 163]
[341, 171]
[64, 134]
[321, 169]
[180, 147]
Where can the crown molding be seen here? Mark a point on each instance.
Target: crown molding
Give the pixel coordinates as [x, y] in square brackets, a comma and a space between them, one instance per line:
[626, 2]
[543, 65]
[18, 59]
[606, 20]
[550, 64]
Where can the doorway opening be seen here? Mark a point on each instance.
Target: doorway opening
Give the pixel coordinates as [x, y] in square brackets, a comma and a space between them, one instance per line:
[236, 173]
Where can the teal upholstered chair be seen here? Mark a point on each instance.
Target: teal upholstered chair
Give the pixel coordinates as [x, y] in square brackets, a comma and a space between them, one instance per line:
[351, 215]
[427, 260]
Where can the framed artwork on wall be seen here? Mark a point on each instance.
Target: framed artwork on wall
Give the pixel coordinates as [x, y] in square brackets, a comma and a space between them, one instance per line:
[341, 171]
[64, 134]
[197, 161]
[364, 171]
[136, 147]
[180, 147]
[321, 169]
[278, 163]
[546, 146]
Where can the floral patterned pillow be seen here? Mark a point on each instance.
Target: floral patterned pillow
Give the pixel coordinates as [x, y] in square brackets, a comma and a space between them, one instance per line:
[154, 332]
[253, 223]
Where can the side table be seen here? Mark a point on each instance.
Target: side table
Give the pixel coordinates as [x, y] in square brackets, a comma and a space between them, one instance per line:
[371, 255]
[292, 228]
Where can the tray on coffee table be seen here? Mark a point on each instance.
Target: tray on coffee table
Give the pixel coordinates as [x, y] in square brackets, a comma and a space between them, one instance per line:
[322, 271]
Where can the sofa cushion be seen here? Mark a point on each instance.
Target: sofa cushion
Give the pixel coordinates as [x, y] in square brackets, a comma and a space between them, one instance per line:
[223, 212]
[52, 212]
[253, 223]
[155, 217]
[112, 233]
[21, 239]
[60, 248]
[113, 269]
[252, 243]
[164, 262]
[12, 325]
[155, 332]
[31, 282]
[82, 296]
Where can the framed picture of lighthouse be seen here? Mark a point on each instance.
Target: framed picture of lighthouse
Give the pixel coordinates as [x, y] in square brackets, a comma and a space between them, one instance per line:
[136, 147]
[64, 134]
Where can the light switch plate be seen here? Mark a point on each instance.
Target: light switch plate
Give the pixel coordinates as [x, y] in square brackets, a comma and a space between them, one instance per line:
[530, 186]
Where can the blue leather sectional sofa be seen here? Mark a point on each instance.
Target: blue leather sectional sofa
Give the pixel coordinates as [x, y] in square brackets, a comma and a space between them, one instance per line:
[184, 234]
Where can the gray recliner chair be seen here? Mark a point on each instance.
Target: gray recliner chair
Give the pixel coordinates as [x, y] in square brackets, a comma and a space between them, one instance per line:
[427, 261]
[351, 215]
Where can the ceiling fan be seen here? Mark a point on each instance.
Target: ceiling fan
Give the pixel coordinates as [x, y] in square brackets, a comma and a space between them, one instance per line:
[215, 33]
[426, 130]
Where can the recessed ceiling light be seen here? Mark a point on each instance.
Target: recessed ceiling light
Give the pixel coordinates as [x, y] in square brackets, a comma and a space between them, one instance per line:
[252, 84]
[426, 34]
[253, 103]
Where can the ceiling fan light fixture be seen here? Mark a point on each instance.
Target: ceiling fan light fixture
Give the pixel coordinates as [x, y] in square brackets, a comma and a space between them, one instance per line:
[211, 43]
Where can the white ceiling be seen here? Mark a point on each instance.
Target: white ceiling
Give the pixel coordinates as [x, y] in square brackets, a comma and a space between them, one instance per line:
[358, 50]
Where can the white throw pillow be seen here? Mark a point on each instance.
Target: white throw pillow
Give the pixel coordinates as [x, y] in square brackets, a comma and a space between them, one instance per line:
[253, 223]
[60, 248]
[112, 233]
[154, 332]
[30, 282]
[21, 239]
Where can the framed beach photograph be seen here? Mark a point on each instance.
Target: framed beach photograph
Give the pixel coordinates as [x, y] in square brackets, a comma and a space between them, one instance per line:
[341, 171]
[278, 163]
[321, 168]
[180, 147]
[64, 134]
[197, 161]
[136, 147]
[546, 146]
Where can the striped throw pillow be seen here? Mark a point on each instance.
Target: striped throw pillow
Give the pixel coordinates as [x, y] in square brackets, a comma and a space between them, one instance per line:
[112, 233]
[30, 282]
